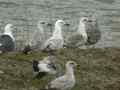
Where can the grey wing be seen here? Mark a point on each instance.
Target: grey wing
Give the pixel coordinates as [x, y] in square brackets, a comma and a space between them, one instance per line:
[75, 40]
[58, 83]
[49, 44]
[58, 43]
[7, 43]
[93, 33]
[37, 39]
[53, 44]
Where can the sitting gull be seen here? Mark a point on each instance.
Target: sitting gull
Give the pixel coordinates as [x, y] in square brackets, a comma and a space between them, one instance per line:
[45, 66]
[87, 33]
[65, 82]
[7, 40]
[56, 40]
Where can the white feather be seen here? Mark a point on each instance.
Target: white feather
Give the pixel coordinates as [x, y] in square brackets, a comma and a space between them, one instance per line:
[56, 40]
[0, 44]
[43, 65]
[8, 31]
[38, 35]
[66, 81]
[82, 29]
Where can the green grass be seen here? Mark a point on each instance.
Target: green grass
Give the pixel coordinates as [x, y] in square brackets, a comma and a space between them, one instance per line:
[99, 69]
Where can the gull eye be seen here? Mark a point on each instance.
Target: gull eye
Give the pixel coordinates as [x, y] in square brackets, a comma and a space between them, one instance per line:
[72, 63]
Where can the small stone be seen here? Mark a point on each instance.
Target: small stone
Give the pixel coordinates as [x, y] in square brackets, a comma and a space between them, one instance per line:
[1, 72]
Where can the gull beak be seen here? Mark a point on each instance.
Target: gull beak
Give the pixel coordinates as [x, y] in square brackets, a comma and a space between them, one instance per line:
[42, 22]
[64, 22]
[90, 20]
[67, 24]
[75, 64]
[49, 24]
[14, 28]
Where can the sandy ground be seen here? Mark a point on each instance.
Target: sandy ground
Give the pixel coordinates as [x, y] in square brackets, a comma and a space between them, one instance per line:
[99, 69]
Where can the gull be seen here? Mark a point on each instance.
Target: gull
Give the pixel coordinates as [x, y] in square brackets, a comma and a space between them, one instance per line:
[37, 38]
[65, 82]
[93, 31]
[7, 40]
[45, 66]
[56, 41]
[79, 37]
[87, 34]
[39, 35]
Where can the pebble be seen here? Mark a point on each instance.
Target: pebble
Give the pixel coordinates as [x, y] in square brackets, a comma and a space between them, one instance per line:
[1, 72]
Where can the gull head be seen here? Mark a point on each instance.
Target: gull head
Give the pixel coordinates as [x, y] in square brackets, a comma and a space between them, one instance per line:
[60, 22]
[58, 29]
[9, 28]
[84, 20]
[71, 64]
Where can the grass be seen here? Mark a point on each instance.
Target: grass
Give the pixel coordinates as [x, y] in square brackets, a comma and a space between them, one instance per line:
[99, 69]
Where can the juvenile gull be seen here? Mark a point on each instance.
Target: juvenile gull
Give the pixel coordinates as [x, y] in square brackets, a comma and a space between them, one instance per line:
[56, 40]
[39, 35]
[65, 82]
[36, 40]
[45, 66]
[93, 31]
[7, 40]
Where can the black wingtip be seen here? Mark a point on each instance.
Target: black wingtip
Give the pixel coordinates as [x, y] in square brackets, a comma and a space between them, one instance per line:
[40, 75]
[35, 66]
[27, 49]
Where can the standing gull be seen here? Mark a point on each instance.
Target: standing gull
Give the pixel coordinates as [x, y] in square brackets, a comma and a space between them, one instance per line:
[39, 35]
[7, 40]
[37, 38]
[56, 40]
[45, 66]
[93, 32]
[65, 82]
[87, 33]
[78, 38]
